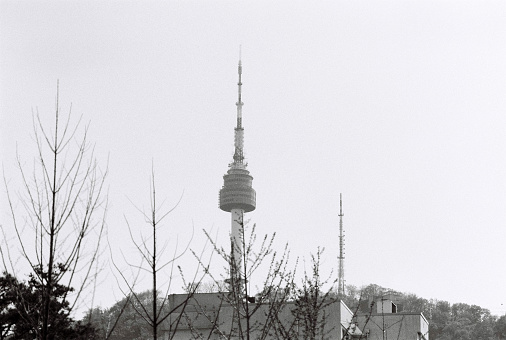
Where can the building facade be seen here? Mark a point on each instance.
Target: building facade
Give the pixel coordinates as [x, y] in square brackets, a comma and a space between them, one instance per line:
[211, 316]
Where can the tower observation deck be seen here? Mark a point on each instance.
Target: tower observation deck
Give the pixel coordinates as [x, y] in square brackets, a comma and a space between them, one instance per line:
[237, 192]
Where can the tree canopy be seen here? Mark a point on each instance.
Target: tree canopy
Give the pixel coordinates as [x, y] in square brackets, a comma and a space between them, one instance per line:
[21, 311]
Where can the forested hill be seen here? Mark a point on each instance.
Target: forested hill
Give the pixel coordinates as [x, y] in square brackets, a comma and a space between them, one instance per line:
[458, 321]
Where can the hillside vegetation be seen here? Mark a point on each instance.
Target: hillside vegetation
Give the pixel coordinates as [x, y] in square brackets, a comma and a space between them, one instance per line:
[458, 321]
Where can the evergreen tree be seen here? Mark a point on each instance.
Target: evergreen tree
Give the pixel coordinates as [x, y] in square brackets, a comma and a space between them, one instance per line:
[22, 306]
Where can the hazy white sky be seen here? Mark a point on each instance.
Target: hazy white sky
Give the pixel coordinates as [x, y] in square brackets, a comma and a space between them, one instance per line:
[399, 105]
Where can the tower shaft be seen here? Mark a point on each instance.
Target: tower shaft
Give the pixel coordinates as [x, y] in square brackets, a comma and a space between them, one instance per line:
[236, 242]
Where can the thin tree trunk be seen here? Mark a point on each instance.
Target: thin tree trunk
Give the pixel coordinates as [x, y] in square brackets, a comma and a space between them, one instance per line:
[48, 287]
[155, 312]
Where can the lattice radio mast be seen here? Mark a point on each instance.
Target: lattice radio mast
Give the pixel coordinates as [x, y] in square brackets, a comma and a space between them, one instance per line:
[340, 289]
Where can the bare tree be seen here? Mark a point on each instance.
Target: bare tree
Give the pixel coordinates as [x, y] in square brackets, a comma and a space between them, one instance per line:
[312, 300]
[156, 310]
[62, 215]
[307, 316]
[242, 313]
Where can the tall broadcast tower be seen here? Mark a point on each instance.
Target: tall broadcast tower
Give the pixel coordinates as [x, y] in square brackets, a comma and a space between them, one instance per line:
[237, 195]
[340, 289]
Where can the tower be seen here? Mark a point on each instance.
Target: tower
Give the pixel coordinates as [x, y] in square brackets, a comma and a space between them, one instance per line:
[237, 195]
[340, 288]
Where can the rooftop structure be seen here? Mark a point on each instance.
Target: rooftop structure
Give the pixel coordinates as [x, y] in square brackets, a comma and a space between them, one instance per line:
[384, 321]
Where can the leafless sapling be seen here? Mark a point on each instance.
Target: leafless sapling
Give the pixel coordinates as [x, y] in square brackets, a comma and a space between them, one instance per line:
[61, 216]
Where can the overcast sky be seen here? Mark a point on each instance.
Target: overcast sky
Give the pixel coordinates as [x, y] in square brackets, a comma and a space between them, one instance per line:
[399, 105]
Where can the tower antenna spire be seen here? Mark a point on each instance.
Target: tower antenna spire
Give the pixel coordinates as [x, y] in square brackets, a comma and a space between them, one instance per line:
[239, 130]
[340, 289]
